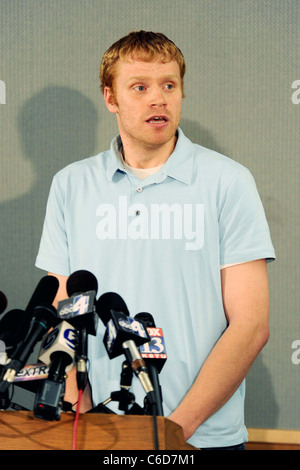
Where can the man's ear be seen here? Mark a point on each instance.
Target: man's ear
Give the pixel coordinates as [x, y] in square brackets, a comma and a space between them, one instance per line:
[109, 99]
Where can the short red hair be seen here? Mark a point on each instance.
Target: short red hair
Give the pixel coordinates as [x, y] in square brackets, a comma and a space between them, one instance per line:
[139, 45]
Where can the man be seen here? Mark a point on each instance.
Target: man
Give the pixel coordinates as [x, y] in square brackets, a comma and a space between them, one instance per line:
[178, 231]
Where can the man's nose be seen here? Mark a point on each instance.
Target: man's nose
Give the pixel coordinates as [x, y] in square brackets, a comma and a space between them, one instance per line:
[157, 97]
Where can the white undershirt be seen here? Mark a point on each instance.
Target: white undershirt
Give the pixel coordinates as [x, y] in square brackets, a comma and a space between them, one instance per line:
[141, 173]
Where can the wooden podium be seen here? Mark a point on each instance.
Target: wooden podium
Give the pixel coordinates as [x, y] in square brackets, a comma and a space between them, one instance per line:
[20, 430]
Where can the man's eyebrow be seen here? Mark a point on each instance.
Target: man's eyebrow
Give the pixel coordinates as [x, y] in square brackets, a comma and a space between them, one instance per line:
[147, 77]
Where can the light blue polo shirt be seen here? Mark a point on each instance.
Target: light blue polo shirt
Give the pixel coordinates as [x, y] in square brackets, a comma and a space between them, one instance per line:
[159, 243]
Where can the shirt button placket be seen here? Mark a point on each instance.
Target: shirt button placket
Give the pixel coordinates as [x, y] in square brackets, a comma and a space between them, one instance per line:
[139, 190]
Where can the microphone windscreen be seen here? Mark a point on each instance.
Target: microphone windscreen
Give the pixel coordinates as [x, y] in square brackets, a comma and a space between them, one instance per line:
[3, 302]
[110, 301]
[146, 318]
[44, 294]
[81, 281]
[14, 327]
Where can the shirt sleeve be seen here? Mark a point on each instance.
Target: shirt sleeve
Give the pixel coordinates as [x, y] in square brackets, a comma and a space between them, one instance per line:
[244, 233]
[53, 254]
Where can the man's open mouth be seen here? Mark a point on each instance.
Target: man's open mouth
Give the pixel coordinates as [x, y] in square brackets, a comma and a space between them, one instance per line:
[157, 119]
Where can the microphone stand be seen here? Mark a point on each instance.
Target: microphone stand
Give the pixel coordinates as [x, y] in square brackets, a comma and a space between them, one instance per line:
[151, 409]
[124, 396]
[157, 389]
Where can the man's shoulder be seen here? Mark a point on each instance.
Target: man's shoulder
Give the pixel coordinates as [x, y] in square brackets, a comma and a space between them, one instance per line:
[215, 168]
[210, 159]
[214, 158]
[83, 166]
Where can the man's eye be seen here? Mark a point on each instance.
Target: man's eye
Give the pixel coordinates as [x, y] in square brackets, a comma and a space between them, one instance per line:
[140, 88]
[169, 86]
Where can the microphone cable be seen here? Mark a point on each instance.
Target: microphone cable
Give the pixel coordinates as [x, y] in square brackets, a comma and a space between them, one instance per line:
[151, 409]
[76, 419]
[77, 413]
[155, 431]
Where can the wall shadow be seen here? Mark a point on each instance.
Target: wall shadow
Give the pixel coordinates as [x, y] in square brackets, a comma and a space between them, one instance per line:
[200, 135]
[56, 126]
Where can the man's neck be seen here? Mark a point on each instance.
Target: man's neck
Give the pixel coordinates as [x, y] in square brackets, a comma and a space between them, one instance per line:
[147, 157]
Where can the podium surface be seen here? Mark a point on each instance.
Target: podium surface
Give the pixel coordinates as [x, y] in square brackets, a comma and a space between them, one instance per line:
[20, 430]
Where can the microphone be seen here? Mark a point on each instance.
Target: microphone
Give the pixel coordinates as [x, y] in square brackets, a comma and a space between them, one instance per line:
[44, 293]
[12, 328]
[15, 324]
[82, 287]
[57, 351]
[154, 354]
[43, 319]
[81, 281]
[79, 310]
[60, 340]
[122, 336]
[42, 315]
[3, 302]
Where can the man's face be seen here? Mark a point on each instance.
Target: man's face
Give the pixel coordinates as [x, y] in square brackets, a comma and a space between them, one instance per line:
[147, 101]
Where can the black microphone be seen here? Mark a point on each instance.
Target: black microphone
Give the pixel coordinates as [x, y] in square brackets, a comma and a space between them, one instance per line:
[13, 326]
[57, 351]
[43, 319]
[3, 302]
[82, 287]
[17, 322]
[122, 336]
[81, 281]
[79, 310]
[154, 355]
[41, 315]
[44, 293]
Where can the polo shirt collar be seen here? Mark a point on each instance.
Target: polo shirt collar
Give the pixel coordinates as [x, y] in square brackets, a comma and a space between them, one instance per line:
[180, 163]
[178, 166]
